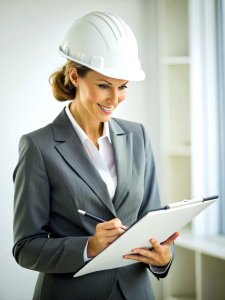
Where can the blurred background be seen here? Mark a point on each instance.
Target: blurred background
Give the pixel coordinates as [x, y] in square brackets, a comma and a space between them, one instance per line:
[181, 103]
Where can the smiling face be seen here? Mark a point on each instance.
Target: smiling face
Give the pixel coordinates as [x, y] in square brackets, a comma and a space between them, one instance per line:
[97, 95]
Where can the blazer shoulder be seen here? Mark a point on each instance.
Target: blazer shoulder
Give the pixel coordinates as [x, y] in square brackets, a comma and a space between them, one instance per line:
[40, 134]
[46, 133]
[41, 139]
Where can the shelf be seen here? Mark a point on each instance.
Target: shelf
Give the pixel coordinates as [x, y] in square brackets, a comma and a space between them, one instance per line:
[207, 267]
[178, 98]
[198, 270]
[178, 150]
[180, 298]
[211, 246]
[213, 274]
[176, 60]
[179, 178]
[181, 279]
[176, 27]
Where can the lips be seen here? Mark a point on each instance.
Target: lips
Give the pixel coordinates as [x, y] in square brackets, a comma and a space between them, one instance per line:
[107, 110]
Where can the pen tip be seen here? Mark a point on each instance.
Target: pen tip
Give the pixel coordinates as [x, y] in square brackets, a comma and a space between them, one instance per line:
[81, 212]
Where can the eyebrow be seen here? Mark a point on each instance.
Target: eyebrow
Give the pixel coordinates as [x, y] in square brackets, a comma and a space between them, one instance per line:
[110, 82]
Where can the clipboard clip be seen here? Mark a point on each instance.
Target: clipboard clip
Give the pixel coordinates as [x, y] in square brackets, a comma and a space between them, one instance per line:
[186, 201]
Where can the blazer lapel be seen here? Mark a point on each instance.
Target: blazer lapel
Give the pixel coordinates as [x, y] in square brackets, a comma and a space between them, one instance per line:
[123, 154]
[73, 151]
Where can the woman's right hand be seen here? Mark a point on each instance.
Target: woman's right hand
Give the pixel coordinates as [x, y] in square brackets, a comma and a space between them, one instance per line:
[105, 234]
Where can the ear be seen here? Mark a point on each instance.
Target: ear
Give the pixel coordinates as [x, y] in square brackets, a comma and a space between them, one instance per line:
[74, 77]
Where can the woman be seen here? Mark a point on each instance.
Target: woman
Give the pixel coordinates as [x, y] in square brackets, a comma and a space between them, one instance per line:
[86, 160]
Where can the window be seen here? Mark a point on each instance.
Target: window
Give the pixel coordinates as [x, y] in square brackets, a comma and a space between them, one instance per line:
[220, 28]
[207, 93]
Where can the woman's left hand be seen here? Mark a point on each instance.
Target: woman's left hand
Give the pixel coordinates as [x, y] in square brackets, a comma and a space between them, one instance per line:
[159, 255]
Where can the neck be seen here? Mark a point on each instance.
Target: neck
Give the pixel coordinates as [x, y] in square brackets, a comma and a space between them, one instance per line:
[92, 127]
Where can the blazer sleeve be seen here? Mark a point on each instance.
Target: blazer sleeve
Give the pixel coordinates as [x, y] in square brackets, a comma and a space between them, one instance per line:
[151, 198]
[33, 248]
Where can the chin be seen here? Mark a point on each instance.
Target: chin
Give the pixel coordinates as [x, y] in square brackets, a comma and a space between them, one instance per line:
[106, 118]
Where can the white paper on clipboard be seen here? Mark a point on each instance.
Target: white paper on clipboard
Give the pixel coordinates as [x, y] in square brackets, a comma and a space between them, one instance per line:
[159, 224]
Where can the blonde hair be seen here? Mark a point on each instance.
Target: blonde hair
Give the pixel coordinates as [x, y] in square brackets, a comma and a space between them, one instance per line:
[62, 87]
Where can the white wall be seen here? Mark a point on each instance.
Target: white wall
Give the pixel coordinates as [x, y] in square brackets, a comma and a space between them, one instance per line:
[30, 34]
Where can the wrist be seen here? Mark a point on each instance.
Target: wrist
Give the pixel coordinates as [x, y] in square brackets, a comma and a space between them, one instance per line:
[91, 252]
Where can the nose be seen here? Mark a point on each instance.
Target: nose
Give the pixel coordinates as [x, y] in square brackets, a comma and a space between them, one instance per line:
[113, 98]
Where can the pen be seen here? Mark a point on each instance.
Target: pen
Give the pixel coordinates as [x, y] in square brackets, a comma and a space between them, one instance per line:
[84, 213]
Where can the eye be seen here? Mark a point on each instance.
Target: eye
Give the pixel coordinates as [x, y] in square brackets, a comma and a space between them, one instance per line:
[123, 87]
[103, 86]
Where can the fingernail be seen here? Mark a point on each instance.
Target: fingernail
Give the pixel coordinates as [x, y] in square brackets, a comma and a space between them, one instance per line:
[124, 256]
[152, 241]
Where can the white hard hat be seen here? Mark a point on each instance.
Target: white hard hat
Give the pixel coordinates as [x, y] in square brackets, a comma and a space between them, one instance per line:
[104, 43]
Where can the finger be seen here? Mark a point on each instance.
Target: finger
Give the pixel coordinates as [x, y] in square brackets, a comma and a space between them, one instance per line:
[156, 245]
[171, 239]
[110, 240]
[156, 258]
[102, 242]
[137, 257]
[114, 223]
[144, 252]
[113, 232]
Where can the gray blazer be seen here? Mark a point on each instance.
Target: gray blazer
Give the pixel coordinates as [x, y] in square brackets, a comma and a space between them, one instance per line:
[54, 178]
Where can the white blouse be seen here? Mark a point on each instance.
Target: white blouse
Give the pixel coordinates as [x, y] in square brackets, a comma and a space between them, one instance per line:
[103, 159]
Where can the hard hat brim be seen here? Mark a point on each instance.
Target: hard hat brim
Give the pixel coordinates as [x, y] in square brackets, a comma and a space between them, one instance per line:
[131, 74]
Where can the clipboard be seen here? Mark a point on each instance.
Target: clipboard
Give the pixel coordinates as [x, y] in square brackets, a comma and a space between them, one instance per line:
[158, 223]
